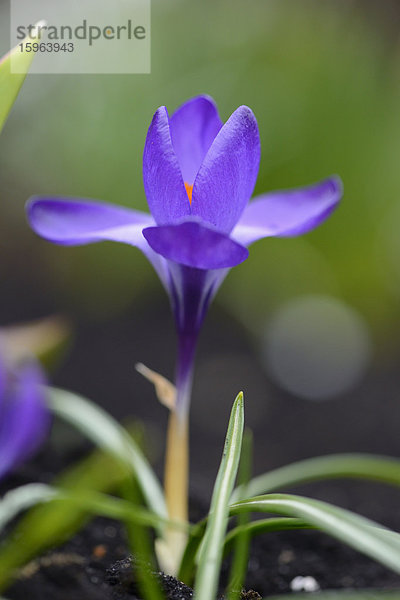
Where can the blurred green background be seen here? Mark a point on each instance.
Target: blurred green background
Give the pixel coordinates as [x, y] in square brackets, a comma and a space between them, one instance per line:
[323, 78]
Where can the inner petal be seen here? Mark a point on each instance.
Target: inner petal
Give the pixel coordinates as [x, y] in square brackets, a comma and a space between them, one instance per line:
[189, 190]
[193, 128]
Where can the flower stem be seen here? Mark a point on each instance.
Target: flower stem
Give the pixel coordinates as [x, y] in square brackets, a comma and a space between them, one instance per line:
[176, 476]
[177, 467]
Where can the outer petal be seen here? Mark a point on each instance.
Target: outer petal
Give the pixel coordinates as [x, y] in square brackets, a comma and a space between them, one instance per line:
[162, 177]
[2, 380]
[227, 176]
[75, 221]
[25, 420]
[193, 129]
[72, 222]
[193, 244]
[288, 213]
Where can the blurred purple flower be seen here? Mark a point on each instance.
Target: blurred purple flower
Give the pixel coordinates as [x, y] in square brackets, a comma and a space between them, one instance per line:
[199, 175]
[24, 418]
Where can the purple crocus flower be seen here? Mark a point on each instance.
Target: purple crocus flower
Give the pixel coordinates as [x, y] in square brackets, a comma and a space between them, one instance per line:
[199, 175]
[24, 418]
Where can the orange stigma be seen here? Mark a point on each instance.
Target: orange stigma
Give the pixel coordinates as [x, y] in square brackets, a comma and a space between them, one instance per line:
[189, 191]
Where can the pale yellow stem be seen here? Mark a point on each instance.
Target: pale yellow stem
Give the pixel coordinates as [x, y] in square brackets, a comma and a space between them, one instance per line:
[176, 467]
[170, 549]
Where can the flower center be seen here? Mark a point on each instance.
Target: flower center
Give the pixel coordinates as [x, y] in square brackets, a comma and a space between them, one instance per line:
[189, 191]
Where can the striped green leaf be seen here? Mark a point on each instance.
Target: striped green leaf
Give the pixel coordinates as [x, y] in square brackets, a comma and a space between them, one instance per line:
[362, 534]
[210, 559]
[383, 469]
[104, 431]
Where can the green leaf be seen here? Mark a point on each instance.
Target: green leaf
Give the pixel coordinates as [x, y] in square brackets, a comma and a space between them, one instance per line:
[65, 509]
[209, 565]
[253, 528]
[383, 469]
[10, 83]
[240, 558]
[263, 526]
[22, 498]
[46, 525]
[187, 566]
[107, 433]
[114, 508]
[28, 495]
[362, 534]
[142, 548]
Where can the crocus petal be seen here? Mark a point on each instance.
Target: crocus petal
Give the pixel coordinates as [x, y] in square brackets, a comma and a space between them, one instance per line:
[73, 222]
[162, 177]
[288, 213]
[227, 176]
[193, 244]
[3, 376]
[193, 129]
[26, 420]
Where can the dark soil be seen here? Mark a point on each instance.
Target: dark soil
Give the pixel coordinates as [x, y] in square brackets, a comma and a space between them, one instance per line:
[94, 566]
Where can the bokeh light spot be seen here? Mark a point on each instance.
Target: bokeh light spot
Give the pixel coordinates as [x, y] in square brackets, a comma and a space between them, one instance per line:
[316, 347]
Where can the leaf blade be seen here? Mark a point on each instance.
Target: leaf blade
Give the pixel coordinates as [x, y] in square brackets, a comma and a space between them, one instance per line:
[240, 557]
[22, 498]
[362, 534]
[11, 83]
[104, 431]
[383, 469]
[44, 526]
[206, 581]
[263, 526]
